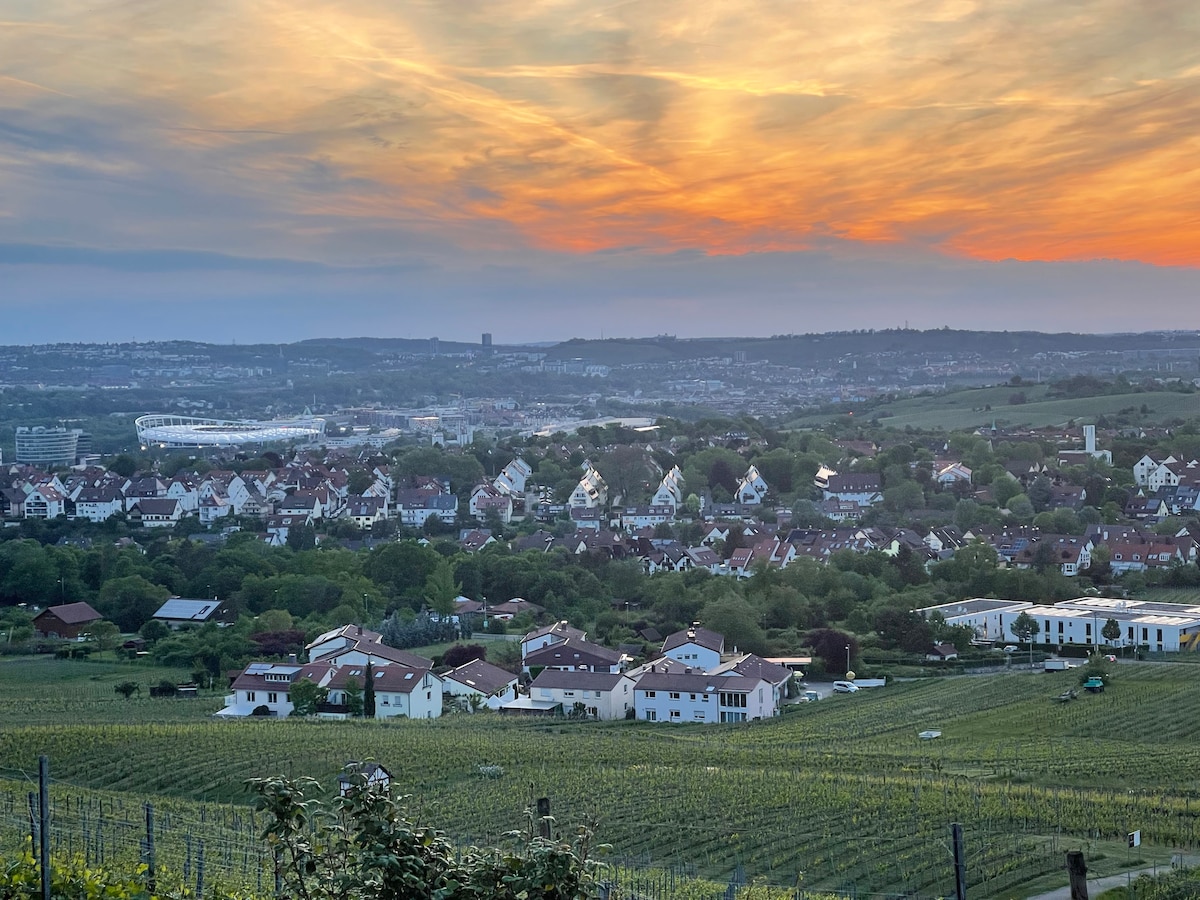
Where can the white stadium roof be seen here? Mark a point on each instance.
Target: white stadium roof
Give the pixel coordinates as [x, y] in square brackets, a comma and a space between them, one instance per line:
[189, 431]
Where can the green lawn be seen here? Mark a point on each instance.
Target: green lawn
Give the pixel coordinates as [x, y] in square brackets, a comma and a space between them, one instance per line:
[818, 791]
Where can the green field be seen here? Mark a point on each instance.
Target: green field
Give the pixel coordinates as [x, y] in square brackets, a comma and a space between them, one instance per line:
[967, 409]
[821, 791]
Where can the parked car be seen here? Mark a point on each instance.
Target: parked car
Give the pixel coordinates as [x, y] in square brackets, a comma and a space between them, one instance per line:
[1011, 648]
[845, 687]
[810, 697]
[1110, 658]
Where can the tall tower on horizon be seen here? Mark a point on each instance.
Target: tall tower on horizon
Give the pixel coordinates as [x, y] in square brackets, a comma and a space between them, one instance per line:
[487, 343]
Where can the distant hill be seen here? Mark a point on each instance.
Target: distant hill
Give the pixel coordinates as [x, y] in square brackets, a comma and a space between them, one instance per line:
[807, 349]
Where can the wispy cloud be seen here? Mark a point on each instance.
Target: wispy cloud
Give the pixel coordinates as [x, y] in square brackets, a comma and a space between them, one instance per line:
[366, 133]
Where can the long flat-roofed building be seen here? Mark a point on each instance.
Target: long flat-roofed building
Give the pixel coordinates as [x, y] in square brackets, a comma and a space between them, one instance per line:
[986, 616]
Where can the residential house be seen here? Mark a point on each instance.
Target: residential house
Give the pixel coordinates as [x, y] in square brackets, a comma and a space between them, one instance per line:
[698, 697]
[487, 499]
[550, 634]
[400, 691]
[365, 512]
[751, 489]
[490, 684]
[750, 665]
[415, 507]
[280, 525]
[575, 654]
[353, 645]
[635, 517]
[96, 504]
[1070, 554]
[155, 512]
[601, 695]
[700, 648]
[472, 540]
[263, 688]
[590, 518]
[592, 489]
[706, 558]
[46, 500]
[513, 477]
[863, 488]
[146, 487]
[670, 490]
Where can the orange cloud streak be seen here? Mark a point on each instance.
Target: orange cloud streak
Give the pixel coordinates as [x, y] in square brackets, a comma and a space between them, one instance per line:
[991, 130]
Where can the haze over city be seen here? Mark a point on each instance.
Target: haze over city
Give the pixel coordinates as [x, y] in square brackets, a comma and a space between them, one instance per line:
[261, 170]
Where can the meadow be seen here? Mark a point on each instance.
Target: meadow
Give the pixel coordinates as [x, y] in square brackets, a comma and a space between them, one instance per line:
[838, 794]
[967, 409]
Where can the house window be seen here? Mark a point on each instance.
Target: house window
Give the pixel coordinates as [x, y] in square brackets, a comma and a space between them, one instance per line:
[1159, 637]
[692, 697]
[698, 714]
[429, 695]
[704, 698]
[568, 693]
[1145, 636]
[272, 697]
[731, 699]
[674, 695]
[650, 693]
[674, 714]
[651, 716]
[733, 717]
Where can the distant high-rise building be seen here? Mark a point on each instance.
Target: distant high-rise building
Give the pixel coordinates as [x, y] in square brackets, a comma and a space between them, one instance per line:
[487, 343]
[49, 446]
[433, 346]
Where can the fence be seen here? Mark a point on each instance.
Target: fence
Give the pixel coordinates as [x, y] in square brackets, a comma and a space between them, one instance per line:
[212, 845]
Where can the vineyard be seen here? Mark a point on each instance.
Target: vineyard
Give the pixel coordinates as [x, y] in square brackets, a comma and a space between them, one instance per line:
[839, 794]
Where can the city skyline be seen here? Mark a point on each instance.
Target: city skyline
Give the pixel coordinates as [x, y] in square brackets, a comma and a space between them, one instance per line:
[556, 170]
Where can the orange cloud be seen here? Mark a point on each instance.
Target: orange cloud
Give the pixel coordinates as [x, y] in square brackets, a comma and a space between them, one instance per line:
[990, 130]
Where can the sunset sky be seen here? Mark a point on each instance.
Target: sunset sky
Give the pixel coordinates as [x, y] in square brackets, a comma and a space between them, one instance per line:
[282, 169]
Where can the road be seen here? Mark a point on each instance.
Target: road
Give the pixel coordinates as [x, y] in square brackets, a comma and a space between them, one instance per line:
[1096, 886]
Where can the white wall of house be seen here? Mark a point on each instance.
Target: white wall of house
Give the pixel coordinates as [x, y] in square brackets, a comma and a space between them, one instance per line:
[695, 656]
[608, 705]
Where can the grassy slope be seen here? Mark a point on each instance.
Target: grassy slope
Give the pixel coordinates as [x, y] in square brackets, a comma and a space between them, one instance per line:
[966, 409]
[819, 790]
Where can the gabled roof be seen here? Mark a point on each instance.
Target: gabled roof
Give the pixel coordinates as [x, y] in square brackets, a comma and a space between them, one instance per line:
[561, 629]
[73, 613]
[750, 665]
[572, 652]
[584, 681]
[701, 637]
[481, 675]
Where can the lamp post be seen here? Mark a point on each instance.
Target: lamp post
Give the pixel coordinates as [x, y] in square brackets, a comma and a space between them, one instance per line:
[847, 657]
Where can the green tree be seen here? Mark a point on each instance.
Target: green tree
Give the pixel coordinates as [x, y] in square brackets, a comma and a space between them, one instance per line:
[130, 601]
[441, 590]
[1111, 631]
[354, 698]
[369, 692]
[1025, 627]
[105, 634]
[306, 697]
[127, 688]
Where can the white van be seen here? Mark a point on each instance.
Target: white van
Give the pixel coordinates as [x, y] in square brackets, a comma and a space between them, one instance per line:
[845, 687]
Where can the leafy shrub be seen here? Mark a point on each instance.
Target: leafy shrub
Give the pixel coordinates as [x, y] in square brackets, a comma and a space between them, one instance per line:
[361, 846]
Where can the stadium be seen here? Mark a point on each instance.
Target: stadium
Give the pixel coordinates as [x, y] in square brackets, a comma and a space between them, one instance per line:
[189, 431]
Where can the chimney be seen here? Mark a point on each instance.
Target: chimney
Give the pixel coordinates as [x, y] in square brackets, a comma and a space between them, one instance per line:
[1089, 438]
[360, 631]
[292, 658]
